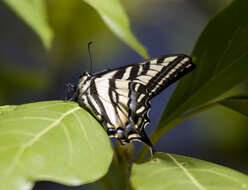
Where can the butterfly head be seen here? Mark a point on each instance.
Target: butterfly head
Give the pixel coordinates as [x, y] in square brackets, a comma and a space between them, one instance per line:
[71, 92]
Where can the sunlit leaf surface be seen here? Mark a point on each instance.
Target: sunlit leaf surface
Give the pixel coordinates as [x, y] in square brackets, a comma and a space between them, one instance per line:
[168, 171]
[33, 13]
[116, 19]
[221, 55]
[7, 108]
[56, 141]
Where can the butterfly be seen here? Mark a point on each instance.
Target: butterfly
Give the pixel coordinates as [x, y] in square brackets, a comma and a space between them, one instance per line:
[120, 98]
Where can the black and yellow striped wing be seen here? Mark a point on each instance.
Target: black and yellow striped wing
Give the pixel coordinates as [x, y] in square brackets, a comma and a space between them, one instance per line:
[119, 98]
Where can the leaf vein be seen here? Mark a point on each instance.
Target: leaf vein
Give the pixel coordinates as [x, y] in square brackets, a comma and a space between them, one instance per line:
[69, 142]
[51, 126]
[84, 131]
[19, 153]
[188, 174]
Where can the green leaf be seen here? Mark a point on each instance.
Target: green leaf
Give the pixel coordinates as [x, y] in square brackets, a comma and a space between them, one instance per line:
[237, 103]
[168, 171]
[113, 14]
[221, 55]
[33, 13]
[7, 108]
[56, 141]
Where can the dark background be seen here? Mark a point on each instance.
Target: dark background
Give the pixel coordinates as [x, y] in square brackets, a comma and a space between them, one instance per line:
[30, 73]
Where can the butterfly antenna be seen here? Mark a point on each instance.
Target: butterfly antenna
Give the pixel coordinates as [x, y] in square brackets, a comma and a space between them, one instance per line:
[89, 44]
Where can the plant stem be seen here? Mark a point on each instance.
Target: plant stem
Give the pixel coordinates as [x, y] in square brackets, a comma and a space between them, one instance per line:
[106, 183]
[160, 131]
[124, 154]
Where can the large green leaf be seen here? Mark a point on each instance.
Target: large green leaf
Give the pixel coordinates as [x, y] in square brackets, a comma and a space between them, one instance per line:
[237, 103]
[54, 140]
[168, 171]
[221, 56]
[116, 19]
[33, 12]
[7, 108]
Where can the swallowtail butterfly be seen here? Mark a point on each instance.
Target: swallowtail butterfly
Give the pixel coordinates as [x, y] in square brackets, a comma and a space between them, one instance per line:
[120, 98]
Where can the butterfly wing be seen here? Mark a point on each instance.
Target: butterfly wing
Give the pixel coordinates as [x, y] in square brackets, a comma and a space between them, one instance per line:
[118, 107]
[156, 73]
[121, 96]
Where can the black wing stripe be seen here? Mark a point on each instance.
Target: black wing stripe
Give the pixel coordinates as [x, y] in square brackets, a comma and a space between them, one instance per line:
[134, 72]
[115, 101]
[94, 110]
[119, 74]
[94, 94]
[161, 59]
[145, 68]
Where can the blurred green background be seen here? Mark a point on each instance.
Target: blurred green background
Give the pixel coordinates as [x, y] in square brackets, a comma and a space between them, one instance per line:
[29, 72]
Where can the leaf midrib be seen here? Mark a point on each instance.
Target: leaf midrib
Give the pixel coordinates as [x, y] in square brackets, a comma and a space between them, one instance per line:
[187, 173]
[229, 45]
